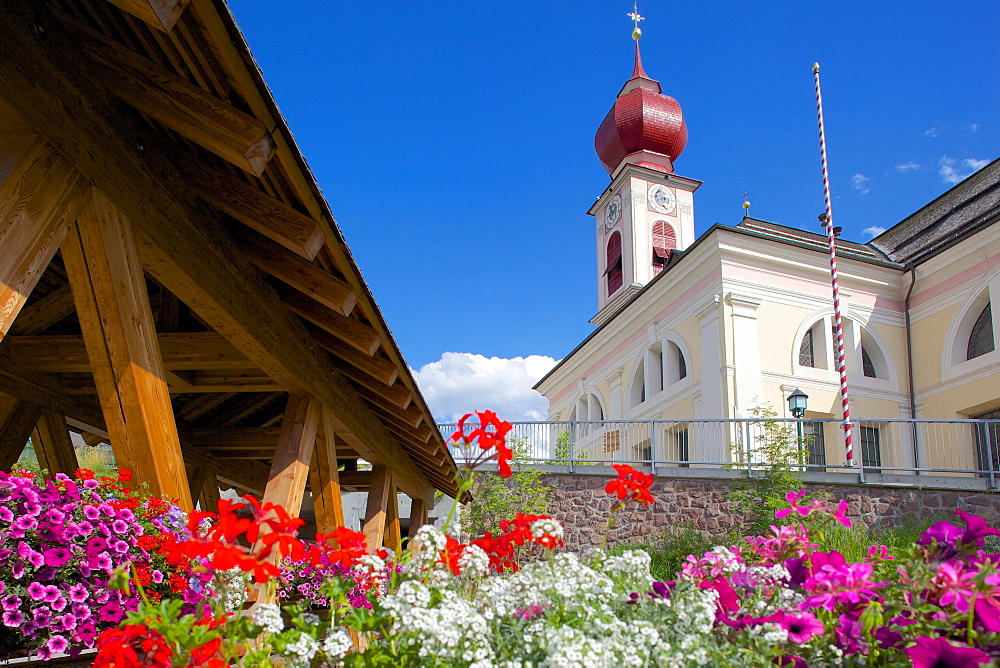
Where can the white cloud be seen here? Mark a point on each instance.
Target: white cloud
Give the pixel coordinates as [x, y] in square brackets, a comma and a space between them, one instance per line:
[932, 132]
[907, 166]
[860, 183]
[461, 383]
[974, 128]
[949, 173]
[873, 231]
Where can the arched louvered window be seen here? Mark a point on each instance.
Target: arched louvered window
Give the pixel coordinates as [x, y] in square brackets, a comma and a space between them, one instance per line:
[614, 270]
[981, 339]
[664, 241]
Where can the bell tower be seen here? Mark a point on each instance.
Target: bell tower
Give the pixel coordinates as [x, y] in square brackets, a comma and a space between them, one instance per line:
[647, 213]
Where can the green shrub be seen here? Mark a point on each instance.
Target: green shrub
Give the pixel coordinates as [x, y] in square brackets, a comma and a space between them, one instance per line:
[496, 499]
[671, 550]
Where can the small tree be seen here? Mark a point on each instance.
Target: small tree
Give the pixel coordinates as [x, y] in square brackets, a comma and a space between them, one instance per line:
[496, 499]
[775, 470]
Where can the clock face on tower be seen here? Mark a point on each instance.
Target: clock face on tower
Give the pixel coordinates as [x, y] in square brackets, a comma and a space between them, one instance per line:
[662, 199]
[613, 212]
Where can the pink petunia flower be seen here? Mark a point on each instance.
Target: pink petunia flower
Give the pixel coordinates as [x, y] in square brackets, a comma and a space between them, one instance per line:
[935, 652]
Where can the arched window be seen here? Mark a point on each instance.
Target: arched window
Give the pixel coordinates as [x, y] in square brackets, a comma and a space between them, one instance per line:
[664, 241]
[981, 339]
[807, 355]
[614, 265]
[587, 408]
[868, 366]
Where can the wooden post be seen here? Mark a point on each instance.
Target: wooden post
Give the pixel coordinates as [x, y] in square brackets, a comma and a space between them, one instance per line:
[53, 445]
[286, 484]
[376, 514]
[324, 479]
[205, 488]
[17, 420]
[393, 535]
[39, 196]
[418, 516]
[109, 290]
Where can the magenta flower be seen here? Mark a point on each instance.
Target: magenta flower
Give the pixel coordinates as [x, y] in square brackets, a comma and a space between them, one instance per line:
[110, 612]
[841, 514]
[802, 627]
[846, 584]
[10, 602]
[57, 556]
[78, 593]
[940, 653]
[57, 644]
[91, 513]
[976, 529]
[59, 604]
[55, 516]
[954, 586]
[13, 618]
[36, 590]
[119, 526]
[5, 514]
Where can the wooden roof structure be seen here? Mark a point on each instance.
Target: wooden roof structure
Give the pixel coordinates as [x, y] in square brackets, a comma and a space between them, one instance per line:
[172, 280]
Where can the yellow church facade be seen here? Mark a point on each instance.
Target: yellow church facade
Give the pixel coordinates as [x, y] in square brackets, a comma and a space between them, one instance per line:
[691, 330]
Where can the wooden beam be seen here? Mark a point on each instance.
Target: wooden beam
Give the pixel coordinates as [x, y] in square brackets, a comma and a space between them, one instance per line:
[183, 243]
[418, 517]
[324, 481]
[257, 210]
[377, 510]
[199, 351]
[199, 116]
[366, 369]
[53, 445]
[43, 313]
[161, 14]
[39, 197]
[45, 392]
[251, 438]
[307, 277]
[286, 485]
[350, 331]
[113, 307]
[205, 488]
[17, 420]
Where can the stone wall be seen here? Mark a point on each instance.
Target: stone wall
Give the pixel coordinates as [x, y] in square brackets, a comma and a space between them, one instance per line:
[698, 499]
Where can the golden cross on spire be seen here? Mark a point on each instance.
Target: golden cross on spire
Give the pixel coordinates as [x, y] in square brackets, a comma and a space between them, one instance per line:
[634, 15]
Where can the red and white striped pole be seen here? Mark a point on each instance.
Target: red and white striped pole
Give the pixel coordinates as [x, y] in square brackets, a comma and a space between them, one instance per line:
[838, 324]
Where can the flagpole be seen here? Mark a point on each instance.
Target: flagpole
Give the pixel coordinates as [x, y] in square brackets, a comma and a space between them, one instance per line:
[838, 324]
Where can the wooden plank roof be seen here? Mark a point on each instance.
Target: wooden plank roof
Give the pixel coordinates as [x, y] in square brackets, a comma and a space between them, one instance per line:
[160, 104]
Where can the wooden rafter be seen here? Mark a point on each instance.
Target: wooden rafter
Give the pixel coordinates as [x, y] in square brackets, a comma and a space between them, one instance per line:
[217, 126]
[350, 331]
[365, 368]
[43, 313]
[111, 302]
[260, 212]
[39, 197]
[301, 274]
[251, 438]
[161, 14]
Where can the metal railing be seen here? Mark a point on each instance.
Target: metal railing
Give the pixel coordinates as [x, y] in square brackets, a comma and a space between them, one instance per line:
[899, 446]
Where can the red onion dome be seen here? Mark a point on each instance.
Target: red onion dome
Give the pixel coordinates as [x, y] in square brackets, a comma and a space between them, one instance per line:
[643, 119]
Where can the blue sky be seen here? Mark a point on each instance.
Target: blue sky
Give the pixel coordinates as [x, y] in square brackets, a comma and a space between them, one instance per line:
[454, 141]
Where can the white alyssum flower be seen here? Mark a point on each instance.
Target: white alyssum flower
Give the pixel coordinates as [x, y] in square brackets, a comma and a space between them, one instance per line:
[268, 615]
[474, 561]
[310, 619]
[337, 644]
[631, 569]
[230, 587]
[304, 649]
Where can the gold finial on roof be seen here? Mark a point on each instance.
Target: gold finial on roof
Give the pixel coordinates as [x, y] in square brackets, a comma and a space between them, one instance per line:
[634, 15]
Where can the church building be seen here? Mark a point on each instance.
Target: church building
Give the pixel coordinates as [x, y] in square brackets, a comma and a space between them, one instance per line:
[716, 325]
